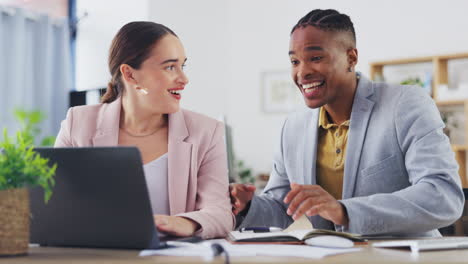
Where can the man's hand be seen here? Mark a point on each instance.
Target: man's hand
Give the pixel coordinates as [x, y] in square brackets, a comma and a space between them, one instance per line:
[313, 200]
[241, 195]
[176, 225]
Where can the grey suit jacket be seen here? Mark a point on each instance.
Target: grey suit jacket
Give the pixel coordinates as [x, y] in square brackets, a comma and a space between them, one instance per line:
[400, 175]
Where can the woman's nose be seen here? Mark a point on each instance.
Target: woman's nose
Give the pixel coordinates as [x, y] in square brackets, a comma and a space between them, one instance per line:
[183, 78]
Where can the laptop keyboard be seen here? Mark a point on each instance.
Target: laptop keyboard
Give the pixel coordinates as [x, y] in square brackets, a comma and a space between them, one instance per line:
[446, 242]
[426, 244]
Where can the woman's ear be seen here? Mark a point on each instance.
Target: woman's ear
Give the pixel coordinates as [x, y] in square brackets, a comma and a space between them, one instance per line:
[127, 73]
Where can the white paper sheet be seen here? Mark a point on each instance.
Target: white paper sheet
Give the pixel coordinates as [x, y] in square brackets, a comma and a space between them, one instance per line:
[204, 250]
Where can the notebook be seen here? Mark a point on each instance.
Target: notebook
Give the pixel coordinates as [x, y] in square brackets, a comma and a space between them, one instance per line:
[291, 236]
[100, 199]
[296, 233]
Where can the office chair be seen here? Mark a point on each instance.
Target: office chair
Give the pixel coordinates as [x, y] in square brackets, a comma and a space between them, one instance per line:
[459, 225]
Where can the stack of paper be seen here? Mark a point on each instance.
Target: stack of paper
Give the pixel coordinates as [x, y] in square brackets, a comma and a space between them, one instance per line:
[204, 250]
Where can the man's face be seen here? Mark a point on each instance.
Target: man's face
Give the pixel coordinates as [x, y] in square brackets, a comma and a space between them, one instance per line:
[320, 65]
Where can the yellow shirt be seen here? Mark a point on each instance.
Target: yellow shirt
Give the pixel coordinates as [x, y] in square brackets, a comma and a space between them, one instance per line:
[331, 153]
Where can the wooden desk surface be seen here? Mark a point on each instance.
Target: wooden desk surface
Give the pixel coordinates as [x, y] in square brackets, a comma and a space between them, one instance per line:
[107, 256]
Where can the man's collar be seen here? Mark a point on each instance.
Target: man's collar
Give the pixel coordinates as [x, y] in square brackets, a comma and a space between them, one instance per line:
[324, 121]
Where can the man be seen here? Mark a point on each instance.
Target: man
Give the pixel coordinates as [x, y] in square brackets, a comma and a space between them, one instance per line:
[363, 157]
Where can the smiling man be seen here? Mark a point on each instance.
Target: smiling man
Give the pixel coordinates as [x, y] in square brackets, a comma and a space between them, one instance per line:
[362, 157]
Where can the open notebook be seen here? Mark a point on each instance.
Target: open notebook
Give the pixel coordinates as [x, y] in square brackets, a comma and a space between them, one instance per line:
[297, 232]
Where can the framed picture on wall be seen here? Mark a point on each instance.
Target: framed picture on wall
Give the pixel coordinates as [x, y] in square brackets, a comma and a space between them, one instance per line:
[279, 93]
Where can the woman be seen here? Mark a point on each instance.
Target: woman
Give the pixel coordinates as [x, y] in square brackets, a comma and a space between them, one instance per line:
[183, 152]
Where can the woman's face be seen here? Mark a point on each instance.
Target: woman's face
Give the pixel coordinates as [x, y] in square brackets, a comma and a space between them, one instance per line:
[162, 76]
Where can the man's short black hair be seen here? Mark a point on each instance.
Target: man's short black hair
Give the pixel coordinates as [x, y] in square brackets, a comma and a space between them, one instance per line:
[327, 20]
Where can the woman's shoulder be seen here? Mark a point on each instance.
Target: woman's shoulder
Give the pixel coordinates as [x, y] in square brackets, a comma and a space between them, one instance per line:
[88, 109]
[85, 112]
[200, 125]
[80, 125]
[199, 120]
[202, 130]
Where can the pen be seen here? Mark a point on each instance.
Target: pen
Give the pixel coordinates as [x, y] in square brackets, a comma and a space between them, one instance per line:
[260, 229]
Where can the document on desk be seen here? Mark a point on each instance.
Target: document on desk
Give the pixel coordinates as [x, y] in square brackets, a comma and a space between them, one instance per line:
[203, 249]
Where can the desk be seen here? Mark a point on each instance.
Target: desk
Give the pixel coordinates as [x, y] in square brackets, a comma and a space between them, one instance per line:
[108, 256]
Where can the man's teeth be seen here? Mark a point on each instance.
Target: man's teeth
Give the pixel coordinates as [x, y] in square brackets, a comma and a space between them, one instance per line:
[311, 86]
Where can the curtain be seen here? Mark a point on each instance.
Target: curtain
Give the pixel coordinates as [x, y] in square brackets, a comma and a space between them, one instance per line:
[35, 68]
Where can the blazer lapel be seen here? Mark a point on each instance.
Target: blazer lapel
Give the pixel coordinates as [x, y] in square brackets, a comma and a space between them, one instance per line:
[108, 119]
[360, 115]
[179, 162]
[309, 148]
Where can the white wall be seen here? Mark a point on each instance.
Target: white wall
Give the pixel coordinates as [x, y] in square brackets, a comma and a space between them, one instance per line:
[202, 27]
[230, 43]
[95, 35]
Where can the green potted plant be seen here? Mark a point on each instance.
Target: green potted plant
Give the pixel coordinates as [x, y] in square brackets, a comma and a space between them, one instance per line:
[29, 121]
[245, 174]
[413, 81]
[449, 122]
[20, 167]
[426, 84]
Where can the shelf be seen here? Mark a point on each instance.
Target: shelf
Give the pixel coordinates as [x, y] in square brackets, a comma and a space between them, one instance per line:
[453, 56]
[419, 59]
[450, 102]
[402, 61]
[459, 147]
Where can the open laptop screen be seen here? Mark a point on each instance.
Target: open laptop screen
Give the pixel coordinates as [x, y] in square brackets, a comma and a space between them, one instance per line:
[100, 199]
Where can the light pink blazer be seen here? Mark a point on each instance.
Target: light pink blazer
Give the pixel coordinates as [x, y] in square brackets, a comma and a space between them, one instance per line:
[197, 162]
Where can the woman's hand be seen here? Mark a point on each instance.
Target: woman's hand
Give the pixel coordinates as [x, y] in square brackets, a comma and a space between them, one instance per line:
[176, 225]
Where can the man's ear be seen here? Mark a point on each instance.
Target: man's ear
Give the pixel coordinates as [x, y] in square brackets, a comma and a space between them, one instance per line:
[127, 73]
[352, 57]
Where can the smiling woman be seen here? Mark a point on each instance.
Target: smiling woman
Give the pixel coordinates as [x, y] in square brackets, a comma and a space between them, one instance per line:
[183, 152]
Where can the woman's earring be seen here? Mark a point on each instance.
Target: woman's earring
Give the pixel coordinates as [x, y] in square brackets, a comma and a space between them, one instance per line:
[144, 90]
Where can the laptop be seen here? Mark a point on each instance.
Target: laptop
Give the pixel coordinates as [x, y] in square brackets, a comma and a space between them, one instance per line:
[100, 199]
[426, 244]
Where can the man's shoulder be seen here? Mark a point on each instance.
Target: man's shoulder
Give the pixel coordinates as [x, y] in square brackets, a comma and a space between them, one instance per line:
[404, 106]
[389, 92]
